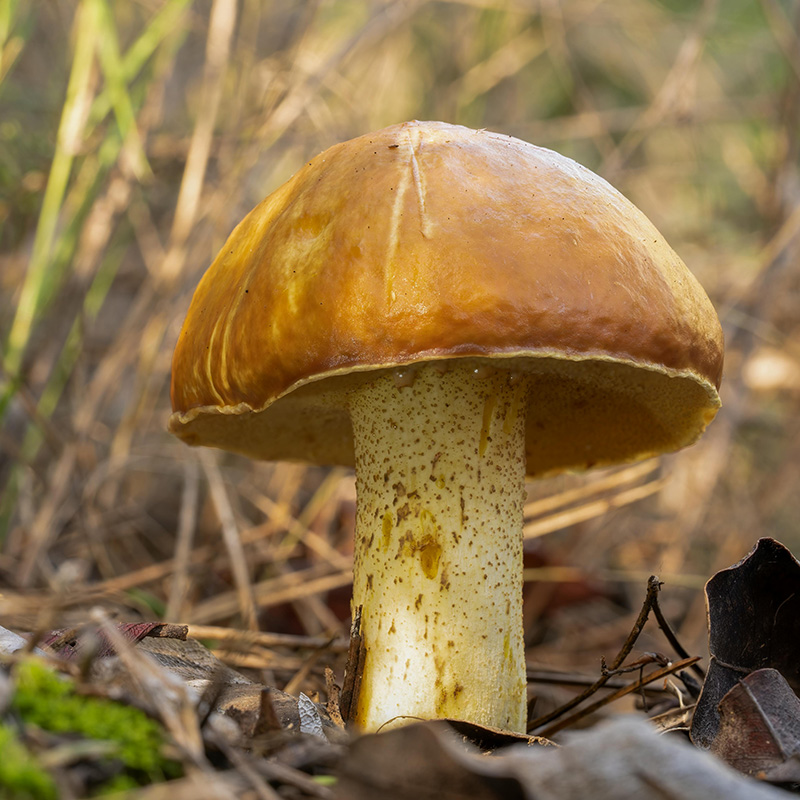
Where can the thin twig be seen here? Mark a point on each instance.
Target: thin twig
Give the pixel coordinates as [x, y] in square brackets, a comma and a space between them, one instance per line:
[653, 587]
[274, 591]
[555, 678]
[672, 638]
[298, 680]
[650, 604]
[632, 687]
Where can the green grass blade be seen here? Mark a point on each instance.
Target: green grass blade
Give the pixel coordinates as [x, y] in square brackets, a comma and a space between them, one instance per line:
[117, 88]
[10, 45]
[69, 132]
[163, 24]
[46, 267]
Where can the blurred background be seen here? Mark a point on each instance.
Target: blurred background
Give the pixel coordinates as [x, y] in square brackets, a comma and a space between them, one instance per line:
[134, 134]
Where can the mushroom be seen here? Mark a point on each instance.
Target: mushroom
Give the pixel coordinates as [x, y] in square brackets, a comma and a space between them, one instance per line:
[449, 311]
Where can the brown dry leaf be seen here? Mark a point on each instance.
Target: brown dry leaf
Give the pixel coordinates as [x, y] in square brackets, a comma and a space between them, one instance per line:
[760, 726]
[421, 761]
[488, 739]
[230, 693]
[754, 622]
[623, 760]
[215, 687]
[66, 644]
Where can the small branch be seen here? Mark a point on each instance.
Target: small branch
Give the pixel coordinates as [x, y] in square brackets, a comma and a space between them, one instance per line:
[639, 664]
[633, 687]
[672, 638]
[653, 587]
[542, 724]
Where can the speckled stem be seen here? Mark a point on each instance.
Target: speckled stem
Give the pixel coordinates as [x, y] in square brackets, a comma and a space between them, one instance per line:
[440, 469]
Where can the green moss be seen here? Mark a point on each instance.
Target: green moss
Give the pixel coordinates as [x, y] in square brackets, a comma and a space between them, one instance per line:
[21, 778]
[44, 699]
[118, 784]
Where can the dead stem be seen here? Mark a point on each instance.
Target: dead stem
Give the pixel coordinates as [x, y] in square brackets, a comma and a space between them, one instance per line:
[636, 686]
[541, 726]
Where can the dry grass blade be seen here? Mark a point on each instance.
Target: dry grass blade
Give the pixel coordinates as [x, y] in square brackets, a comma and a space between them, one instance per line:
[597, 485]
[196, 785]
[53, 511]
[300, 678]
[179, 590]
[292, 777]
[272, 592]
[563, 519]
[218, 44]
[244, 767]
[504, 62]
[233, 543]
[675, 95]
[555, 574]
[236, 638]
[297, 528]
[785, 33]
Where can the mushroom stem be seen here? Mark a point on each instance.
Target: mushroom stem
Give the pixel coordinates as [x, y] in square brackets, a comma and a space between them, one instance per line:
[440, 472]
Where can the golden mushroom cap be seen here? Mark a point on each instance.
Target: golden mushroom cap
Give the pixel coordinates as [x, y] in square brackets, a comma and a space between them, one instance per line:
[428, 242]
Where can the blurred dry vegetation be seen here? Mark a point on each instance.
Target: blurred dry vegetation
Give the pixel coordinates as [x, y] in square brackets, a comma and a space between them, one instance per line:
[134, 134]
